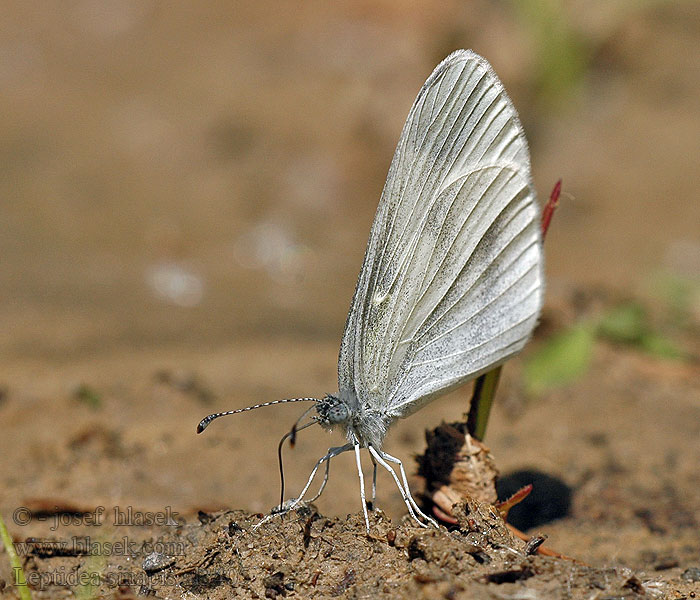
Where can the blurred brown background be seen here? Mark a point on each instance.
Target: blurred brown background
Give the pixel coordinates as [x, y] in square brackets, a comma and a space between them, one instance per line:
[188, 188]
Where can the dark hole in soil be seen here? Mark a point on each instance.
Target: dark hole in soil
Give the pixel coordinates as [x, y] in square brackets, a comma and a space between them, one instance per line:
[510, 576]
[549, 500]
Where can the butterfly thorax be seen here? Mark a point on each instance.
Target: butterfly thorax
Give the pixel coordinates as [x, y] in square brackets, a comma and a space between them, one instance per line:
[362, 424]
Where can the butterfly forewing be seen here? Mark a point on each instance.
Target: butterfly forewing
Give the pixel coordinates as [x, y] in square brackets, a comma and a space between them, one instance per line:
[451, 283]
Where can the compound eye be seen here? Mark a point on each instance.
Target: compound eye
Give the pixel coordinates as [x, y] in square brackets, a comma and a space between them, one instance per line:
[338, 413]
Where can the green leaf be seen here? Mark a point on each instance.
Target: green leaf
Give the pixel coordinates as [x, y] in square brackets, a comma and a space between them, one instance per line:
[561, 360]
[88, 395]
[563, 53]
[625, 324]
[679, 293]
[663, 347]
[629, 324]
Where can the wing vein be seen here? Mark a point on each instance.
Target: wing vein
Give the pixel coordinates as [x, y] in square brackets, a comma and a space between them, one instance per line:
[475, 250]
[482, 344]
[446, 254]
[483, 273]
[487, 305]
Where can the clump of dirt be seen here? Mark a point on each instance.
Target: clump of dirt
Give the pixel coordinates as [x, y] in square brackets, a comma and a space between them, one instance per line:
[304, 554]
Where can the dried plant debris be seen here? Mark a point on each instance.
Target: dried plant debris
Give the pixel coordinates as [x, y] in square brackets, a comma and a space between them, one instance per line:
[456, 466]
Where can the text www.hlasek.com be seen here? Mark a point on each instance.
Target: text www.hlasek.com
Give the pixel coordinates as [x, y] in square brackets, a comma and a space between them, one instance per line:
[87, 546]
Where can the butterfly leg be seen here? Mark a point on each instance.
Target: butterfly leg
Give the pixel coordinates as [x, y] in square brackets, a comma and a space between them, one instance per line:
[327, 458]
[362, 485]
[294, 502]
[395, 460]
[373, 502]
[406, 495]
[323, 483]
[325, 475]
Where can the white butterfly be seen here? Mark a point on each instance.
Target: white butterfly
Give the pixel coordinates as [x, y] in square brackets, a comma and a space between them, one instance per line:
[452, 281]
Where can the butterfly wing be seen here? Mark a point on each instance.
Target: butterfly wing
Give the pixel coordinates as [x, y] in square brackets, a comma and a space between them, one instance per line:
[451, 283]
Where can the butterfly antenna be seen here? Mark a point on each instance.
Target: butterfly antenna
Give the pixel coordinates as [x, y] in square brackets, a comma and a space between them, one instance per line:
[291, 435]
[204, 423]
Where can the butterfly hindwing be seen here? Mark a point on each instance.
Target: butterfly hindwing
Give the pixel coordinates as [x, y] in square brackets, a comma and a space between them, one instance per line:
[451, 283]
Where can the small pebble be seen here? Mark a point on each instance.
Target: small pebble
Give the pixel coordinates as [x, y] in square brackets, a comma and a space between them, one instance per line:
[156, 561]
[691, 574]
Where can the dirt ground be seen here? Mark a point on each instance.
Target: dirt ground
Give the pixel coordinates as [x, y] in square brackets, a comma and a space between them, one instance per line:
[186, 197]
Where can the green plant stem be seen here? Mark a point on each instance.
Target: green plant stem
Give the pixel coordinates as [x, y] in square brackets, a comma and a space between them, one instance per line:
[482, 399]
[20, 581]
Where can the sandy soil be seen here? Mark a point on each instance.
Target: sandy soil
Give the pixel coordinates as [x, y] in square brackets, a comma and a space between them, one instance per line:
[186, 200]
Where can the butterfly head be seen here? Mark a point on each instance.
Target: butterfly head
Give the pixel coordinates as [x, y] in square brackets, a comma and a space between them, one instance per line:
[332, 411]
